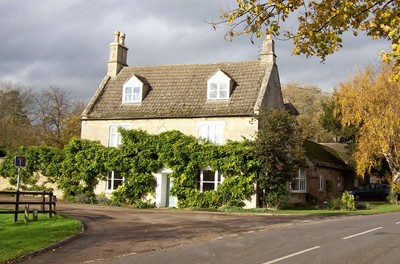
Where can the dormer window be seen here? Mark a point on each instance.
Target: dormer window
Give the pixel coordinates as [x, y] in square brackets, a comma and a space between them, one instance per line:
[133, 91]
[219, 86]
[132, 94]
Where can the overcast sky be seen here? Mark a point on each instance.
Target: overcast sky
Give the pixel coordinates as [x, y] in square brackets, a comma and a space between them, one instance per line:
[65, 43]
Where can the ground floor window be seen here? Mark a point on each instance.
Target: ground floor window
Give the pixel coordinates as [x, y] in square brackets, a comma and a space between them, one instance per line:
[114, 179]
[300, 182]
[208, 180]
[321, 183]
[339, 183]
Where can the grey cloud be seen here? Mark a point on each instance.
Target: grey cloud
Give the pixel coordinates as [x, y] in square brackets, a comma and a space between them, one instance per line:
[65, 43]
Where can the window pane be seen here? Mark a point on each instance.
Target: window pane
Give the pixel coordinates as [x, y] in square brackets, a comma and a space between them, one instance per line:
[128, 90]
[136, 94]
[223, 94]
[117, 175]
[208, 175]
[211, 133]
[117, 183]
[213, 94]
[223, 90]
[113, 140]
[213, 86]
[208, 186]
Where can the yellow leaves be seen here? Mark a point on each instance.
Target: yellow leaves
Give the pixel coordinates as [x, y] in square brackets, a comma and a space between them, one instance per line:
[371, 99]
[320, 23]
[385, 27]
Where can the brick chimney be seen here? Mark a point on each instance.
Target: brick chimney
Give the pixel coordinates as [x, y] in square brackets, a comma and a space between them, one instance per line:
[118, 55]
[268, 50]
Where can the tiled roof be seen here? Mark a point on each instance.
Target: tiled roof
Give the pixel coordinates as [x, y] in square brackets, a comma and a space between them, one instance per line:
[323, 156]
[180, 91]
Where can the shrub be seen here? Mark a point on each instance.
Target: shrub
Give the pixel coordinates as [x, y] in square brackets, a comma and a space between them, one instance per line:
[277, 198]
[81, 198]
[104, 200]
[347, 202]
[334, 204]
[364, 206]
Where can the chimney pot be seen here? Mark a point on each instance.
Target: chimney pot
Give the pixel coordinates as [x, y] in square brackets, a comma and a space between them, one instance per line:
[122, 38]
[116, 36]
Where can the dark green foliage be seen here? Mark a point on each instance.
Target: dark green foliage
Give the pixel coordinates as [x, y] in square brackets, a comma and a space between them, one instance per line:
[278, 149]
[38, 158]
[333, 123]
[82, 167]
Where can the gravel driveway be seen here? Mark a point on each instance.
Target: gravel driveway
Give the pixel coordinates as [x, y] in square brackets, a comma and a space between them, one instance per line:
[111, 232]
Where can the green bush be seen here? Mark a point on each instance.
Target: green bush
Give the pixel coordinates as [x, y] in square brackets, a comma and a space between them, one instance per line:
[346, 203]
[81, 198]
[277, 198]
[334, 204]
[364, 206]
[102, 199]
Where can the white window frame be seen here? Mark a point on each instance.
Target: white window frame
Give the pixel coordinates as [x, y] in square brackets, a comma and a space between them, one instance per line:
[218, 87]
[132, 96]
[300, 181]
[111, 180]
[212, 131]
[114, 137]
[339, 183]
[132, 91]
[218, 179]
[321, 183]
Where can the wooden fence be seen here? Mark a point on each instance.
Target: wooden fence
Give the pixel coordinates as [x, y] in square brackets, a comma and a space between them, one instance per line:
[43, 202]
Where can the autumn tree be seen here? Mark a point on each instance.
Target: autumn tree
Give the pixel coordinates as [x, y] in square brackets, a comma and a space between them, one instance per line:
[57, 117]
[320, 24]
[15, 109]
[372, 99]
[331, 121]
[308, 100]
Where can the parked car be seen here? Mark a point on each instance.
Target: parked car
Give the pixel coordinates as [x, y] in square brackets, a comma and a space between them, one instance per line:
[372, 191]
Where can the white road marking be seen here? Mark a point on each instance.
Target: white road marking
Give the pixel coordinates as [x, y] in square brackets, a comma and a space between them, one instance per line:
[291, 255]
[397, 223]
[362, 233]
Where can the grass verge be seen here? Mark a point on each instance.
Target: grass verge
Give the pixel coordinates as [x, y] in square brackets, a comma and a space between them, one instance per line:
[374, 208]
[20, 238]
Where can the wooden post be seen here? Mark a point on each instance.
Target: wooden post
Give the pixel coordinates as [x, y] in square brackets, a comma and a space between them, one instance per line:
[50, 203]
[26, 213]
[54, 205]
[43, 201]
[16, 206]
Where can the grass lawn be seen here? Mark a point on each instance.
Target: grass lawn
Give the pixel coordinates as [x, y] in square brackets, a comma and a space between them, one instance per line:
[20, 238]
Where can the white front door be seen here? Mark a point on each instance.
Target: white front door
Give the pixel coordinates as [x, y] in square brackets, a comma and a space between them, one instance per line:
[163, 195]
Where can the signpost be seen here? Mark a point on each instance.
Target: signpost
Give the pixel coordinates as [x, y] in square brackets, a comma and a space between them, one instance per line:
[20, 161]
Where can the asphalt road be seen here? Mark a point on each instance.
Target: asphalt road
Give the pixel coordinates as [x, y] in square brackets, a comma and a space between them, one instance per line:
[355, 239]
[116, 234]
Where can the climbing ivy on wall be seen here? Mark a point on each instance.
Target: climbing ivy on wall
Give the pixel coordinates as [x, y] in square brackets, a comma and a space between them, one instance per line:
[143, 154]
[264, 165]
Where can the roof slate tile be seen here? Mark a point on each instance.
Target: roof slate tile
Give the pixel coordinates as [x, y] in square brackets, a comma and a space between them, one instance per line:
[180, 91]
